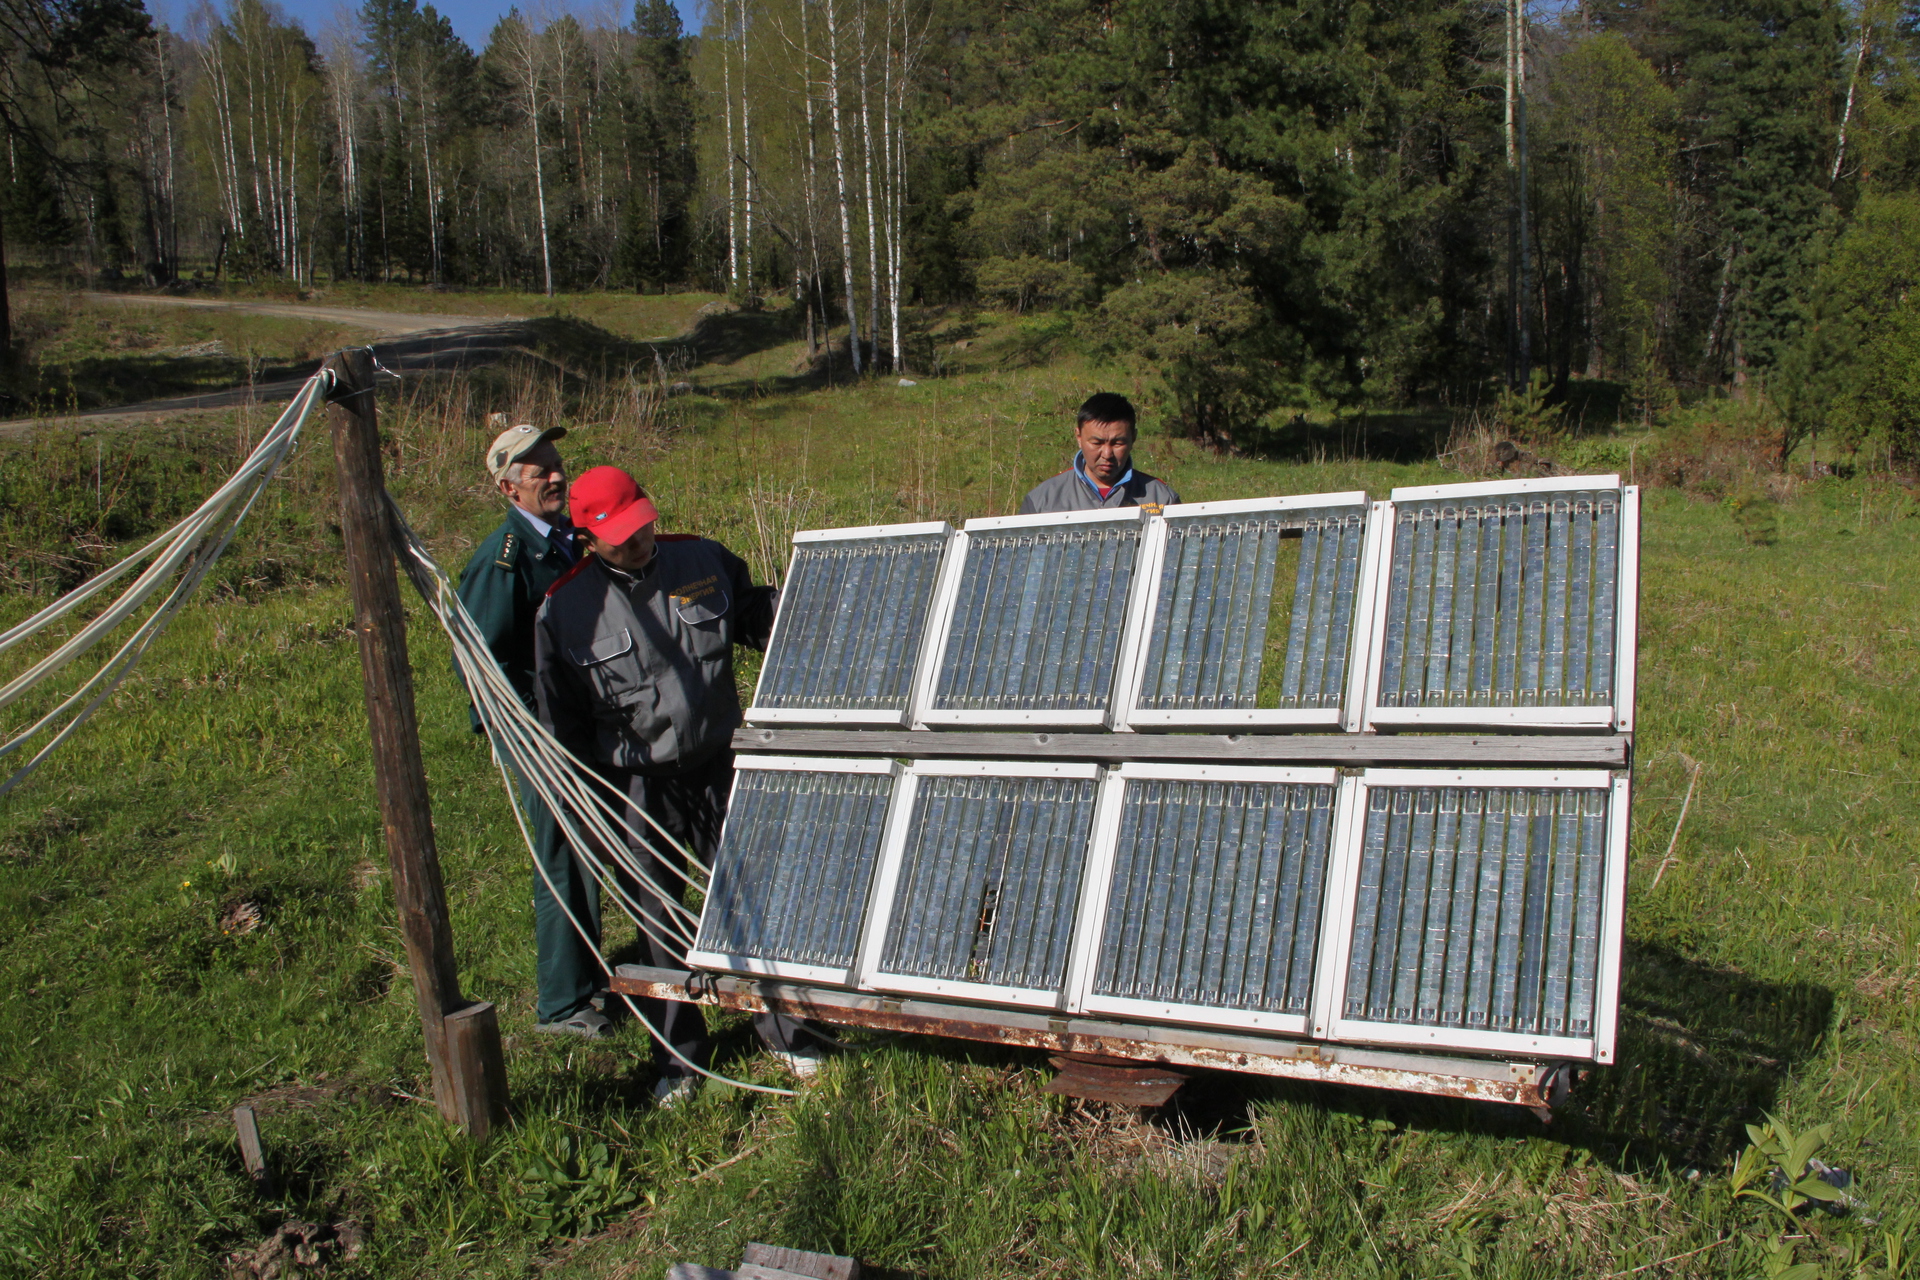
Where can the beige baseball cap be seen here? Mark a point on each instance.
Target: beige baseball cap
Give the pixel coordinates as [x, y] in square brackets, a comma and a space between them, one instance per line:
[508, 447]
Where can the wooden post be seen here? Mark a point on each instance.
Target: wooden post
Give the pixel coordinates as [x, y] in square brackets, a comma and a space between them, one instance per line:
[399, 776]
[478, 1067]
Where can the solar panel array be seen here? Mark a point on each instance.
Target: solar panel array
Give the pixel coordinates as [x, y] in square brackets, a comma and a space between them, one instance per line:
[1476, 910]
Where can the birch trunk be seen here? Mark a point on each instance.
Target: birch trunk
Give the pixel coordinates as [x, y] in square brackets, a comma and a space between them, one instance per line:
[746, 152]
[726, 102]
[809, 185]
[840, 183]
[866, 173]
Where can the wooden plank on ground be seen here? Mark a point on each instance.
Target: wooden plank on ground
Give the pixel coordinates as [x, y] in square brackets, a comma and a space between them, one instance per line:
[1592, 751]
[694, 1271]
[818, 1266]
[251, 1153]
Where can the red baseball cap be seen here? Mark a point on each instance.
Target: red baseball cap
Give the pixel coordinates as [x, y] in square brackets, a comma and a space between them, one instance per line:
[609, 504]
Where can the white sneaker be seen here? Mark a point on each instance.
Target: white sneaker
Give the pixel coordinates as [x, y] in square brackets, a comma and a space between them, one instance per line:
[672, 1091]
[804, 1063]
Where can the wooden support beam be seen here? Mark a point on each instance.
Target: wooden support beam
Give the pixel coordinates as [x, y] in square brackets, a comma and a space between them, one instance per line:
[1596, 751]
[399, 776]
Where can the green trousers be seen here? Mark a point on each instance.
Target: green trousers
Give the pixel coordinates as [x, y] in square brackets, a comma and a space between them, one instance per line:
[569, 965]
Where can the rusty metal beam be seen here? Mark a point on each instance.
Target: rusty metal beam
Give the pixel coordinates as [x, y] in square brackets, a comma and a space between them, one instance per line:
[1526, 1084]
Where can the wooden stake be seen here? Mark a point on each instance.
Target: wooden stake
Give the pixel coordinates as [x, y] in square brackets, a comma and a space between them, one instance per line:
[399, 777]
[251, 1153]
[479, 1068]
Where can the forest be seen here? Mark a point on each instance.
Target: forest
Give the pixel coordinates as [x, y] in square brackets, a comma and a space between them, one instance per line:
[1256, 206]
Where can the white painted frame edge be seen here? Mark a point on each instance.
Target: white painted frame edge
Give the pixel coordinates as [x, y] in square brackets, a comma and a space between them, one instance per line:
[768, 968]
[1626, 645]
[1204, 1015]
[757, 715]
[1613, 920]
[1238, 506]
[1500, 488]
[1336, 912]
[1045, 520]
[816, 764]
[873, 531]
[933, 642]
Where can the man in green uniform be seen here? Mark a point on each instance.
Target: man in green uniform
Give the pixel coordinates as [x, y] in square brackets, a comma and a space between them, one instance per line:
[503, 587]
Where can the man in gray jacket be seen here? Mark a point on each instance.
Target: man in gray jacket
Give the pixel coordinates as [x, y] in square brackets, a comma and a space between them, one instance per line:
[633, 673]
[1102, 474]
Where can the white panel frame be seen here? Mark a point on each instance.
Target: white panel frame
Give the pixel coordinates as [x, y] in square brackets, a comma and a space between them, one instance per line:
[873, 717]
[1617, 715]
[1503, 488]
[867, 962]
[1129, 716]
[1626, 606]
[924, 715]
[1330, 1022]
[1094, 896]
[831, 975]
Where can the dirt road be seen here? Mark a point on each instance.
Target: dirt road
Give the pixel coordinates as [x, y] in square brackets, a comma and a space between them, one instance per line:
[403, 343]
[361, 317]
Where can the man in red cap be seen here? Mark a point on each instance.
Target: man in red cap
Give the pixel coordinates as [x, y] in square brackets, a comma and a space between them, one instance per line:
[633, 672]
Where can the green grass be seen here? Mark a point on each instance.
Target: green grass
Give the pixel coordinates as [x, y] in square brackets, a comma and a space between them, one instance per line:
[1776, 966]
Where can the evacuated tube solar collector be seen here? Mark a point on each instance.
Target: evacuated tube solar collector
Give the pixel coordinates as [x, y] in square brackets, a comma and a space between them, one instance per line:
[851, 626]
[1031, 621]
[1248, 615]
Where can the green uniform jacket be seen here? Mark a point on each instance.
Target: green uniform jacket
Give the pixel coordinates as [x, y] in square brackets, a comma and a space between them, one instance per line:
[503, 587]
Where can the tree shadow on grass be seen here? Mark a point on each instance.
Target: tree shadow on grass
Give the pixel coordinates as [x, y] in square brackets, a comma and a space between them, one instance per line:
[1408, 435]
[1703, 1051]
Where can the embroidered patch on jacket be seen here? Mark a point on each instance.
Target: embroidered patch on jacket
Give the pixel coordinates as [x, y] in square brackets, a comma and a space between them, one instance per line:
[693, 591]
[1151, 508]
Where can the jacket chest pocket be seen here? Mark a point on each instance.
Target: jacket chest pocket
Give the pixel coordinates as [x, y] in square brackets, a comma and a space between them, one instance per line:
[609, 663]
[704, 620]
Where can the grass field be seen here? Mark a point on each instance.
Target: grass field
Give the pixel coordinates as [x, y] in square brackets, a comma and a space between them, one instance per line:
[194, 913]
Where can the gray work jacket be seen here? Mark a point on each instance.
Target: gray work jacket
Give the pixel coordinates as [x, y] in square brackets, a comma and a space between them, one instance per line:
[635, 671]
[1072, 491]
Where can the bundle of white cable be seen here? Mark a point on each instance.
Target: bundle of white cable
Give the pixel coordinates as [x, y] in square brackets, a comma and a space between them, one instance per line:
[189, 548]
[591, 814]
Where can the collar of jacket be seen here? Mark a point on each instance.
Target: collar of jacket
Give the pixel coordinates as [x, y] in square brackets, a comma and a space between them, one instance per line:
[629, 582]
[537, 542]
[1080, 469]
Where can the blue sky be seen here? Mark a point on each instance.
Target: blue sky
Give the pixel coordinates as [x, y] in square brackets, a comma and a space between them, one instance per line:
[472, 19]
